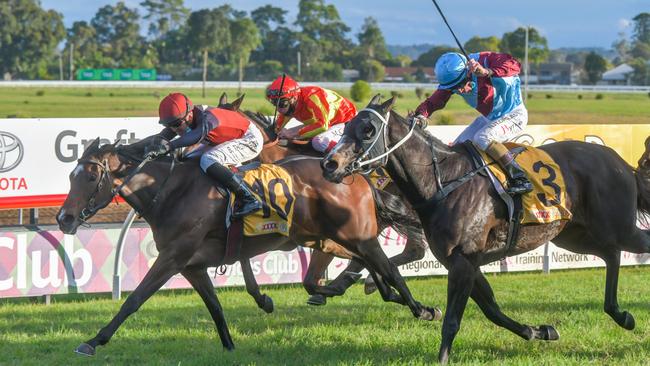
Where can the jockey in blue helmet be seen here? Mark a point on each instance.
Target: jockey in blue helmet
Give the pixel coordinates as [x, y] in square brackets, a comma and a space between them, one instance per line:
[489, 82]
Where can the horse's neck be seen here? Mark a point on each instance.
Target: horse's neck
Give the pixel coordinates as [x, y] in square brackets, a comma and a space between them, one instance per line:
[273, 153]
[142, 189]
[411, 166]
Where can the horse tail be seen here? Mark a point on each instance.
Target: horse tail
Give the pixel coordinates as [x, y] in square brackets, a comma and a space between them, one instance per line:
[391, 211]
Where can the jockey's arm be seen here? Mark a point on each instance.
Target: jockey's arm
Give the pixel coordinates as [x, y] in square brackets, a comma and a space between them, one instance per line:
[501, 64]
[437, 100]
[319, 121]
[194, 135]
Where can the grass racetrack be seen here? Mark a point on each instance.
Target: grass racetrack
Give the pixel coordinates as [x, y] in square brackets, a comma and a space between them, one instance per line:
[543, 107]
[174, 327]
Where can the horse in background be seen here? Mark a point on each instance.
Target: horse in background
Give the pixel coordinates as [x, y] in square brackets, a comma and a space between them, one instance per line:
[275, 150]
[467, 227]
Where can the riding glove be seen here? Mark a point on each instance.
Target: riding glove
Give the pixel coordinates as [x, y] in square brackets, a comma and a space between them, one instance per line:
[156, 150]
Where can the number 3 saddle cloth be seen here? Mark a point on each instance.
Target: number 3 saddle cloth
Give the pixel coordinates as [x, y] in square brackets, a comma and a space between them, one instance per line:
[273, 186]
[547, 202]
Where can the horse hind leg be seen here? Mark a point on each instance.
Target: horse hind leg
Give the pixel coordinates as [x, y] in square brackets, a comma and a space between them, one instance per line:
[622, 318]
[483, 295]
[200, 281]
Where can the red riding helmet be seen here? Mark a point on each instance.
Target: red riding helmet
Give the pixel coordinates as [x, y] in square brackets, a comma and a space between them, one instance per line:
[290, 88]
[173, 108]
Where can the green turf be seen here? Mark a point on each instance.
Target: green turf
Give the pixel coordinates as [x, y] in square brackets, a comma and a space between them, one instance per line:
[174, 328]
[128, 102]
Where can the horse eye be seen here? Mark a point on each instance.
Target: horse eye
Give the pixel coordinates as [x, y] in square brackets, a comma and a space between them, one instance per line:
[368, 131]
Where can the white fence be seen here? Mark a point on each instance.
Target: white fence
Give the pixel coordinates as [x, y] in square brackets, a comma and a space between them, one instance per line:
[263, 84]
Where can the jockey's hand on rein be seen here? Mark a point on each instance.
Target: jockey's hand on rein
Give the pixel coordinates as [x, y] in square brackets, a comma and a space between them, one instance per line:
[156, 150]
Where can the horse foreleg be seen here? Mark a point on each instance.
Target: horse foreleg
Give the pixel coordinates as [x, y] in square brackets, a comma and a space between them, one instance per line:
[460, 281]
[622, 318]
[200, 281]
[414, 250]
[162, 270]
[263, 301]
[376, 261]
[484, 297]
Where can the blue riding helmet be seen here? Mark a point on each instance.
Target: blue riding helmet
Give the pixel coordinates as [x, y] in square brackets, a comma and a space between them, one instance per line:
[451, 69]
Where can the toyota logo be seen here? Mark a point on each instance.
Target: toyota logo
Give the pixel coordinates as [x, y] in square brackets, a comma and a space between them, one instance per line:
[11, 151]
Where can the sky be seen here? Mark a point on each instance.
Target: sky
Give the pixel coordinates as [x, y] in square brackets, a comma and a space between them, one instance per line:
[564, 23]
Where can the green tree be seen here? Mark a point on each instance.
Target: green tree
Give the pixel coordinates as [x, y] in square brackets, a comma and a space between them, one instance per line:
[118, 33]
[323, 24]
[403, 60]
[622, 47]
[28, 38]
[429, 58]
[514, 43]
[372, 71]
[265, 16]
[594, 66]
[244, 37]
[371, 40]
[164, 15]
[209, 31]
[479, 44]
[641, 37]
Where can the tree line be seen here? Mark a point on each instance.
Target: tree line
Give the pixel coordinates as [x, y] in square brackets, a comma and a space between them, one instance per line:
[228, 44]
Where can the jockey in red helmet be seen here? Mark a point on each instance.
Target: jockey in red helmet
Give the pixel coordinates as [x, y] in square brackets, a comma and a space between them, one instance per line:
[323, 112]
[226, 138]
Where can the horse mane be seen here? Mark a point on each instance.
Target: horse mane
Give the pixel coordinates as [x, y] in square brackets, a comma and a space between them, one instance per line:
[265, 122]
[421, 132]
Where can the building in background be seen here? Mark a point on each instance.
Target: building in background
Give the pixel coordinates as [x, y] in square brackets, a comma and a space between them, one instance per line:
[620, 75]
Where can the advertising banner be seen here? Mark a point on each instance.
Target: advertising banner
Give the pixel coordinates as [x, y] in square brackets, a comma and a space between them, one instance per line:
[34, 263]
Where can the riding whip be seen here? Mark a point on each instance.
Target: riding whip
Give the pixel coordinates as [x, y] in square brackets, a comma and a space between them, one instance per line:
[452, 32]
[275, 113]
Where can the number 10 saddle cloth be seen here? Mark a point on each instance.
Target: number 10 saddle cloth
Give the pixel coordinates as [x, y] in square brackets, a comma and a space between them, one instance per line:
[547, 202]
[273, 186]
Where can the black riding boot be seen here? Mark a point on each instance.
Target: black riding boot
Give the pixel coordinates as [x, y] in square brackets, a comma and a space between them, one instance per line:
[234, 183]
[518, 182]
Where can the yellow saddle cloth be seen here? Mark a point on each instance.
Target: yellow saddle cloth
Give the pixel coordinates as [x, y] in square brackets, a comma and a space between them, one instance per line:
[547, 202]
[273, 186]
[379, 178]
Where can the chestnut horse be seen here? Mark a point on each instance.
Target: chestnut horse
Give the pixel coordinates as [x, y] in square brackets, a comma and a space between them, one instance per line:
[186, 213]
[275, 150]
[467, 227]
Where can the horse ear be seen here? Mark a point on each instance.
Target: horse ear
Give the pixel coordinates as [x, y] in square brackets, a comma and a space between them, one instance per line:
[91, 148]
[223, 99]
[388, 105]
[237, 103]
[374, 100]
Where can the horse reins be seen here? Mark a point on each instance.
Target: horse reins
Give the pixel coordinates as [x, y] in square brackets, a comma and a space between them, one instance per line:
[92, 207]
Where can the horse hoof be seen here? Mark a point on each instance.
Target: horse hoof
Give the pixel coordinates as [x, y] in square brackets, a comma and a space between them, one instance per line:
[268, 305]
[548, 333]
[317, 300]
[430, 314]
[85, 349]
[369, 286]
[628, 321]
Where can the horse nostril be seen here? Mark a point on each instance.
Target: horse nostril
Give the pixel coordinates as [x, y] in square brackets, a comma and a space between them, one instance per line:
[66, 220]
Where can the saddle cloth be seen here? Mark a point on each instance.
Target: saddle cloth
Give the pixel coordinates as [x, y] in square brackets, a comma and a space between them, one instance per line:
[273, 186]
[379, 178]
[547, 202]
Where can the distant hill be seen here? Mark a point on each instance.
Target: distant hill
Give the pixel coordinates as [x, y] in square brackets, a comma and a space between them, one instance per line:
[412, 51]
[606, 53]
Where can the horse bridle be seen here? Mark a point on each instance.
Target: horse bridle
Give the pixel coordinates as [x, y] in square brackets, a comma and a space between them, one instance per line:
[442, 191]
[92, 207]
[358, 163]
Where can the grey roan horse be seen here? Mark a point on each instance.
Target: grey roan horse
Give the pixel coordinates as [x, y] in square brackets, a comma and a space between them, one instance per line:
[187, 217]
[467, 228]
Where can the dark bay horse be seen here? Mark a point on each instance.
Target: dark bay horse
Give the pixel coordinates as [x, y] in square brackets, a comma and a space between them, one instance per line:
[467, 228]
[186, 213]
[273, 151]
